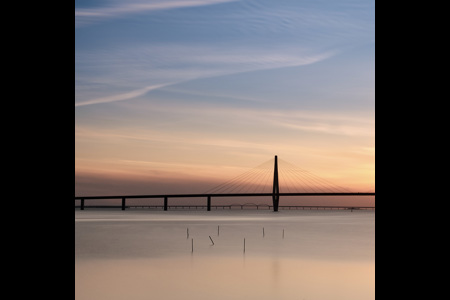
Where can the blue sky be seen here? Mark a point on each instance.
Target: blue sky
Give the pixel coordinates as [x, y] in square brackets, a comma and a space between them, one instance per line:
[168, 89]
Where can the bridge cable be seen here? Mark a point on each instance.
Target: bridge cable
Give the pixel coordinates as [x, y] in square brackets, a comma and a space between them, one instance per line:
[259, 178]
[243, 183]
[234, 181]
[252, 181]
[318, 182]
[295, 176]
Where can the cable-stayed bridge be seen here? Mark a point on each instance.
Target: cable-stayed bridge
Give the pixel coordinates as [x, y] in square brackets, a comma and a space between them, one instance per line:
[274, 178]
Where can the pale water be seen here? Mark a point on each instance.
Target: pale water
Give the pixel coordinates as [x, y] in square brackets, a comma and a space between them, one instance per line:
[298, 254]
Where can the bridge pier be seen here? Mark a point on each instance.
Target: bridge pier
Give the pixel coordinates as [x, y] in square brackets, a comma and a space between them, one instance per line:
[209, 203]
[276, 188]
[165, 203]
[82, 204]
[123, 203]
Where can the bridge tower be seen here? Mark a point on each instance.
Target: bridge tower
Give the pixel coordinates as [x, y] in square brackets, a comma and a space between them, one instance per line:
[276, 188]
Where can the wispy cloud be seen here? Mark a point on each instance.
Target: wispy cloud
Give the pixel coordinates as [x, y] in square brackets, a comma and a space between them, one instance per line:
[344, 124]
[172, 64]
[299, 34]
[121, 97]
[87, 16]
[251, 118]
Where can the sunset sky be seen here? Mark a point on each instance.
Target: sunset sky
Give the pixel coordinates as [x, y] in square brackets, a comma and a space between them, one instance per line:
[181, 95]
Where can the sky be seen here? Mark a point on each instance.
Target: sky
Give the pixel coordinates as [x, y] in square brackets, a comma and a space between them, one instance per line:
[179, 96]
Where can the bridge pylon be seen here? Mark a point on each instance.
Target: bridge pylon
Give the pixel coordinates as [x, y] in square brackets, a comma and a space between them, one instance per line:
[276, 188]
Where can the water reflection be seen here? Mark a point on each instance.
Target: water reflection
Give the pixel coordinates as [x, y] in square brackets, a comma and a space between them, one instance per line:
[223, 278]
[320, 257]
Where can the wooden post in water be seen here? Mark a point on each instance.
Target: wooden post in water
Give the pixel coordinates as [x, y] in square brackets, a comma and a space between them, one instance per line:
[123, 203]
[82, 204]
[165, 203]
[209, 203]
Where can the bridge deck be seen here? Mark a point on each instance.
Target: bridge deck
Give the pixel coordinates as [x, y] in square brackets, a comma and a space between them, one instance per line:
[242, 206]
[209, 196]
[221, 195]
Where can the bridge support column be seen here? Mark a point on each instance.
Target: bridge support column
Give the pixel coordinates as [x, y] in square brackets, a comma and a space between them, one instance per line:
[209, 203]
[165, 203]
[123, 203]
[82, 204]
[276, 188]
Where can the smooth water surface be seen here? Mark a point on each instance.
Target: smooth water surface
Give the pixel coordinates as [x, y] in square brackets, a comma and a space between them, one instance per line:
[143, 254]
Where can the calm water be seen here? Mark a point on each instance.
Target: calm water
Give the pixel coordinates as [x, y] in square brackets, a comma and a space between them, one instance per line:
[143, 254]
